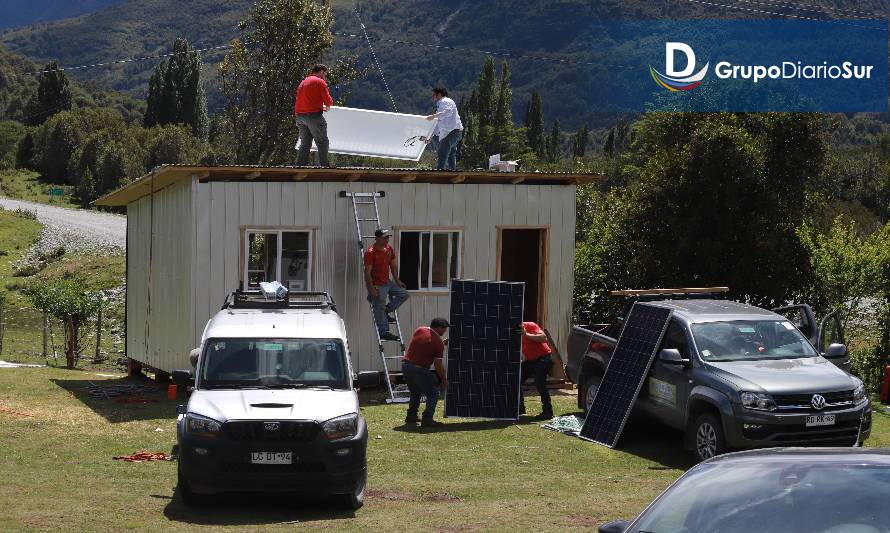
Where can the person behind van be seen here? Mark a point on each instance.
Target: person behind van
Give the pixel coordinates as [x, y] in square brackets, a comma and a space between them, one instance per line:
[537, 362]
[426, 349]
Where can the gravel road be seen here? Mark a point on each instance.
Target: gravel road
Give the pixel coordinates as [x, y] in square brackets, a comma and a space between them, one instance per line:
[75, 229]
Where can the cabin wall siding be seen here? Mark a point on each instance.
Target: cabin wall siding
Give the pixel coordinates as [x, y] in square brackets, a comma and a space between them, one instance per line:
[223, 210]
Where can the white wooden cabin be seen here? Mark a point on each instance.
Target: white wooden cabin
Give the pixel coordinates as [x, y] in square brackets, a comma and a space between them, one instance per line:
[194, 234]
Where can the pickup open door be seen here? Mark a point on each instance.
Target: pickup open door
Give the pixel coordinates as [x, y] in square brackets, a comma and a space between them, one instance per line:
[826, 335]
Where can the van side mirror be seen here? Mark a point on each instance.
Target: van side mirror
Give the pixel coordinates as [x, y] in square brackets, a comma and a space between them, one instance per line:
[671, 356]
[836, 351]
[366, 380]
[615, 526]
[193, 357]
[182, 377]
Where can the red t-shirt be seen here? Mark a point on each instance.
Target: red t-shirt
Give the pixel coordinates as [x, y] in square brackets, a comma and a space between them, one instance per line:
[534, 350]
[425, 346]
[379, 261]
[311, 95]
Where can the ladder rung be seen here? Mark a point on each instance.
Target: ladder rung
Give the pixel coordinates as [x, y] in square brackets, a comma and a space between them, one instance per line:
[368, 220]
[392, 357]
[368, 237]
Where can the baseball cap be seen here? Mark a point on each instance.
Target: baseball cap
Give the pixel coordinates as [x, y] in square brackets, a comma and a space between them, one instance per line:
[439, 323]
[383, 232]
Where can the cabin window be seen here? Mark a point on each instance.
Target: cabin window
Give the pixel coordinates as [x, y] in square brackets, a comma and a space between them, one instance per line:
[429, 260]
[278, 255]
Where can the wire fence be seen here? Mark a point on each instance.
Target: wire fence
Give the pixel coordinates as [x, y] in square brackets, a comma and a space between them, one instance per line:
[27, 335]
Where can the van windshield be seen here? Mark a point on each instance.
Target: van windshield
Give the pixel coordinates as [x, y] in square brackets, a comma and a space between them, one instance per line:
[747, 340]
[274, 363]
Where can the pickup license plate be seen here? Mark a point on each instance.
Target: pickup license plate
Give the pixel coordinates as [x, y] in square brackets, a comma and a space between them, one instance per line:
[271, 458]
[820, 420]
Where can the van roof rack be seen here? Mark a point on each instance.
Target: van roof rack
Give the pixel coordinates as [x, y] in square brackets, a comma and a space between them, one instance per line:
[240, 299]
[670, 292]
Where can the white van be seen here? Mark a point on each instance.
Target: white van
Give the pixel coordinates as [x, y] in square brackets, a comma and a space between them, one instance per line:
[274, 406]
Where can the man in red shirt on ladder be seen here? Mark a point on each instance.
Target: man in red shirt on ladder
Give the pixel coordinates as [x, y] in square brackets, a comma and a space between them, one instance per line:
[312, 100]
[385, 293]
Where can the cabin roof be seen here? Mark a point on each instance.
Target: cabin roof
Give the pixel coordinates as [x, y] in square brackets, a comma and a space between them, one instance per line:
[166, 175]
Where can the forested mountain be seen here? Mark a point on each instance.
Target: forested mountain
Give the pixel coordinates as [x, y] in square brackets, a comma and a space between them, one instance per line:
[547, 42]
[15, 13]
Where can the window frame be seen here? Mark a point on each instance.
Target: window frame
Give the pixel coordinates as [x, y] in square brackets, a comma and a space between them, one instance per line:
[454, 251]
[278, 231]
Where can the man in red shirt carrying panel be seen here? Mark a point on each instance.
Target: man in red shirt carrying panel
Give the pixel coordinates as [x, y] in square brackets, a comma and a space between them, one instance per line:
[312, 100]
[426, 348]
[537, 362]
[380, 260]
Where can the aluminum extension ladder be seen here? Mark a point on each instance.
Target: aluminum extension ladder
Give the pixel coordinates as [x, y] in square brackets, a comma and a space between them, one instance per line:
[367, 220]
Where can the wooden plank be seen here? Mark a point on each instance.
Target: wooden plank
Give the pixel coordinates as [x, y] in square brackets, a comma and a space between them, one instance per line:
[460, 178]
[517, 181]
[299, 176]
[354, 176]
[408, 178]
[253, 175]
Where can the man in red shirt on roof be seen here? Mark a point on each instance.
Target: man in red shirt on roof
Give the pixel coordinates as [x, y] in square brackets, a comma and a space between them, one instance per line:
[537, 362]
[426, 348]
[380, 260]
[312, 100]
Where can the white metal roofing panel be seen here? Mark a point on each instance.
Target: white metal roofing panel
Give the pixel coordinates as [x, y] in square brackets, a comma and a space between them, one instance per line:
[377, 133]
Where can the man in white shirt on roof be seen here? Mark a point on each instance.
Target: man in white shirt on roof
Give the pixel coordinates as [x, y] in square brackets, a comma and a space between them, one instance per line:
[449, 129]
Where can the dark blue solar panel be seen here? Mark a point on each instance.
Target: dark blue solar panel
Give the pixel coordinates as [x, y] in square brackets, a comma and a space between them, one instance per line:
[640, 338]
[484, 349]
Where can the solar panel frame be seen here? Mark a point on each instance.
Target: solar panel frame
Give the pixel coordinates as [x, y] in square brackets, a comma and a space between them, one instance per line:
[642, 334]
[484, 339]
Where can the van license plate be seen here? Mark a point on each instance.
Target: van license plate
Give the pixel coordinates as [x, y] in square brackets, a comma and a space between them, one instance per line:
[271, 458]
[820, 420]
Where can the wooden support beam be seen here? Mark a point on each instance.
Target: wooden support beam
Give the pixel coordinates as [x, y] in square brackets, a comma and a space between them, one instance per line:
[201, 176]
[353, 177]
[460, 178]
[517, 181]
[252, 175]
[300, 176]
[409, 178]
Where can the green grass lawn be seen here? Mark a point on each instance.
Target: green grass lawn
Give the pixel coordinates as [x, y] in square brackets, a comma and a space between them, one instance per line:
[58, 471]
[22, 334]
[27, 185]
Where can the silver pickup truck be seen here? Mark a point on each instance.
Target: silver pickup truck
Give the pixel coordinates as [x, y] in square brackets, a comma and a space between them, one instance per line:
[734, 376]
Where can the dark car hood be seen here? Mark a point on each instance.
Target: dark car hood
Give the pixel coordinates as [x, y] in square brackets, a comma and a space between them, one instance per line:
[784, 376]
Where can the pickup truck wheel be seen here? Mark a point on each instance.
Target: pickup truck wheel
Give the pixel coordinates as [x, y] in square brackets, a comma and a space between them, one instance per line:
[591, 385]
[356, 499]
[709, 440]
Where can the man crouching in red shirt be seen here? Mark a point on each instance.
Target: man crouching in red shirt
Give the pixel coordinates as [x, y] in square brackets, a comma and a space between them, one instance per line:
[312, 100]
[426, 348]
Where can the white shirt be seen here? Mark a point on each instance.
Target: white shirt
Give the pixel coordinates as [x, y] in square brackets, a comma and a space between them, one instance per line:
[449, 119]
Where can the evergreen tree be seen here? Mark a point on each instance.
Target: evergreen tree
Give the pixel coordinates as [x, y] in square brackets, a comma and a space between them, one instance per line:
[609, 144]
[503, 118]
[24, 155]
[579, 143]
[53, 95]
[553, 148]
[534, 124]
[175, 92]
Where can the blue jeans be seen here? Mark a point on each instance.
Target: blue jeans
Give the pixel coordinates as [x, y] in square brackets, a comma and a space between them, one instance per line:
[448, 150]
[421, 382]
[397, 296]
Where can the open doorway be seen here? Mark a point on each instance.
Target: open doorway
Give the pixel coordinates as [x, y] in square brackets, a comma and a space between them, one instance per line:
[522, 257]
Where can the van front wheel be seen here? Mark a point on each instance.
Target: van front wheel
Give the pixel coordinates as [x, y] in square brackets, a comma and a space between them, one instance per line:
[708, 437]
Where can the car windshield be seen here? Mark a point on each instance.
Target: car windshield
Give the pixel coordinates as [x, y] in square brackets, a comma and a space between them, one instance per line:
[773, 496]
[273, 363]
[746, 340]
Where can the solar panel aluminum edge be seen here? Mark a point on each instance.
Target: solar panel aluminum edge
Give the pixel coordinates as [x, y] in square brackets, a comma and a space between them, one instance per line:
[365, 132]
[637, 345]
[482, 360]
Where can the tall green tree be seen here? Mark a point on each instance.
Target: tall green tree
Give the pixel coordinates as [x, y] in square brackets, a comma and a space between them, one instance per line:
[662, 230]
[503, 117]
[534, 124]
[176, 94]
[279, 42]
[553, 143]
[53, 95]
[580, 140]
